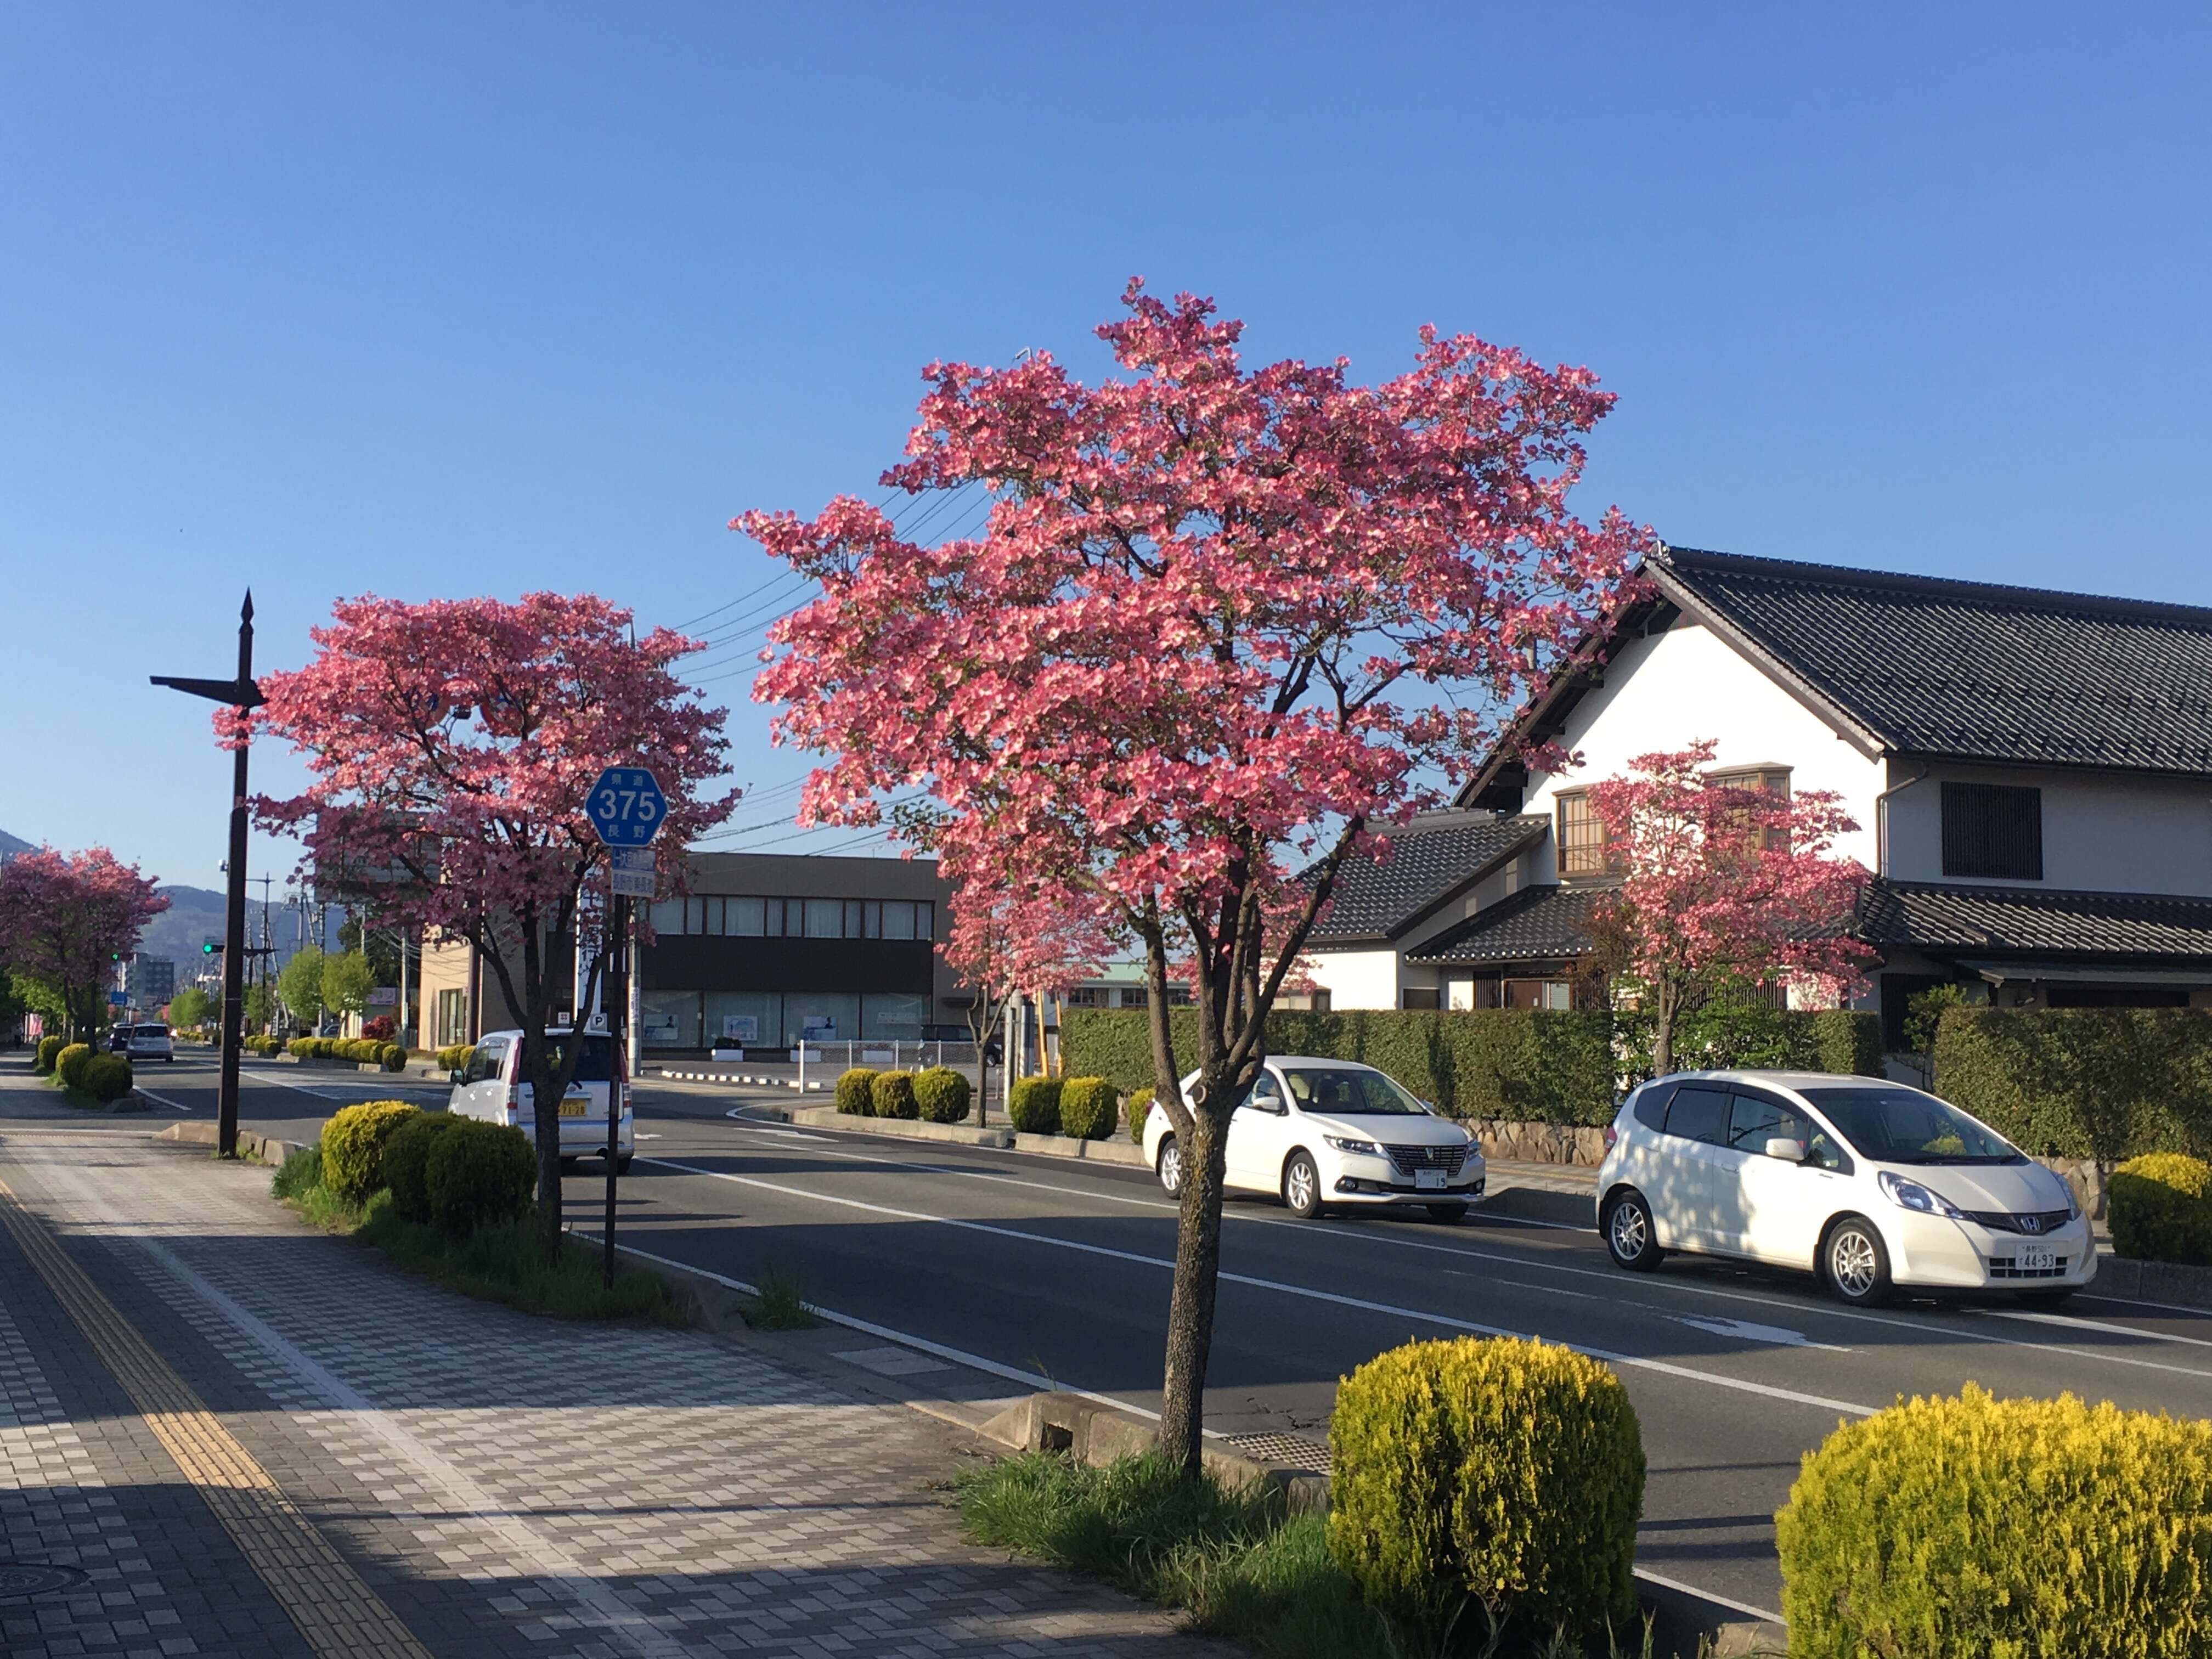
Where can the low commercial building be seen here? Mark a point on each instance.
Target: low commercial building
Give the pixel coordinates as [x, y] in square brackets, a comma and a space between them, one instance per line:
[762, 951]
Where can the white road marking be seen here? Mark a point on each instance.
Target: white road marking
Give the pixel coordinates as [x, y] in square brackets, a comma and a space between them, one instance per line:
[173, 1105]
[1651, 1281]
[1743, 1330]
[767, 1126]
[1306, 1293]
[2074, 1322]
[1744, 1607]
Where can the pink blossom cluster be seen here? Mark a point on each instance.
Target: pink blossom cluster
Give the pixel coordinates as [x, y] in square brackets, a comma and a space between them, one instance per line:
[64, 917]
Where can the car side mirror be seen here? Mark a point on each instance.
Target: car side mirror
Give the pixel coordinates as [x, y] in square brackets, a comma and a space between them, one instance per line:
[457, 1076]
[1789, 1151]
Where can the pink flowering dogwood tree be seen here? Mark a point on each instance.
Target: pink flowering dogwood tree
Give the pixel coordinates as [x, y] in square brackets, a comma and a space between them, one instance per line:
[1002, 943]
[450, 745]
[1218, 625]
[1724, 889]
[64, 919]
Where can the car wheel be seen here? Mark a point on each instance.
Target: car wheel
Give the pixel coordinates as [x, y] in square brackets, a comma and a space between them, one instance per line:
[2046, 1298]
[1855, 1263]
[1447, 1212]
[1301, 1187]
[1630, 1236]
[1170, 1166]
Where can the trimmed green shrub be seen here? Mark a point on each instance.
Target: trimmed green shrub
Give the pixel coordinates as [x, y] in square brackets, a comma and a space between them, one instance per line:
[407, 1161]
[1033, 1105]
[1976, 1527]
[2160, 1207]
[107, 1078]
[1089, 1108]
[2102, 1083]
[891, 1094]
[941, 1095]
[394, 1057]
[69, 1064]
[353, 1146]
[1498, 1468]
[49, 1048]
[855, 1095]
[301, 1047]
[480, 1173]
[455, 1057]
[1137, 1107]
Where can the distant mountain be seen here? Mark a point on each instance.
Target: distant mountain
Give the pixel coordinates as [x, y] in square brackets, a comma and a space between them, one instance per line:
[10, 846]
[195, 914]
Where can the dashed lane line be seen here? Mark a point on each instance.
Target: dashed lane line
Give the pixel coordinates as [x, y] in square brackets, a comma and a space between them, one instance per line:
[333, 1608]
[1306, 1293]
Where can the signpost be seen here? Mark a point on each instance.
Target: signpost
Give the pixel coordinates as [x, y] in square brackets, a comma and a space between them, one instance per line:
[626, 807]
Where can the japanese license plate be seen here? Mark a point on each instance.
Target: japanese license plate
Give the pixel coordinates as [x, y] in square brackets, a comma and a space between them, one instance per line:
[1423, 1178]
[2036, 1258]
[576, 1107]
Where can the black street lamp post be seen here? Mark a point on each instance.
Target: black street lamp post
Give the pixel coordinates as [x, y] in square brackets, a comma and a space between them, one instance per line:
[242, 694]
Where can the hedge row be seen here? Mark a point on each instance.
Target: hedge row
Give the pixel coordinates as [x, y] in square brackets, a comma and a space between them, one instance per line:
[1528, 1065]
[49, 1048]
[456, 1057]
[362, 1051]
[457, 1172]
[2103, 1082]
[2160, 1207]
[938, 1095]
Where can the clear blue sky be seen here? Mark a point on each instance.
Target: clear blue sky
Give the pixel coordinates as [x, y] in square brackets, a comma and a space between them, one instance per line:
[451, 300]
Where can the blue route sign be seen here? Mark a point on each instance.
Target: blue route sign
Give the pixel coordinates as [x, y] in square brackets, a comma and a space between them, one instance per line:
[626, 807]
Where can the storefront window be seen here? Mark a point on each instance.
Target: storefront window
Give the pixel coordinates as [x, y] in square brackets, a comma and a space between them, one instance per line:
[670, 1020]
[744, 1019]
[893, 1015]
[822, 1017]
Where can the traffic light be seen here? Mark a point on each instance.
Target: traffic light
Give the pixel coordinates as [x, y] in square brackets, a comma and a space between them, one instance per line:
[115, 955]
[207, 948]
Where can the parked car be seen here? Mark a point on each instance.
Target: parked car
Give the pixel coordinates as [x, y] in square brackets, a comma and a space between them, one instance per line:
[493, 1089]
[1320, 1133]
[1870, 1185]
[150, 1041]
[118, 1040]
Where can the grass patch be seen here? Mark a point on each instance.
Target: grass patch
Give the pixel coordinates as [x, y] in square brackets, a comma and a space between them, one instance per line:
[1242, 1566]
[495, 1264]
[780, 1306]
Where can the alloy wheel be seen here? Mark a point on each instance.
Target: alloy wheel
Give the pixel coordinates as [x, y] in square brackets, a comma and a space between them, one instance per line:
[1628, 1231]
[1171, 1168]
[1853, 1263]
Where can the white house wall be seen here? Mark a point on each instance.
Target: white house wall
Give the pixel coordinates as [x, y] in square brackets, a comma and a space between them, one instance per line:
[1669, 689]
[2101, 833]
[1364, 979]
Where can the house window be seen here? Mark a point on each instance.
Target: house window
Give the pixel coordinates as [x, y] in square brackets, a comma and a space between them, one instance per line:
[1584, 848]
[1993, 831]
[1773, 781]
[1086, 996]
[1420, 996]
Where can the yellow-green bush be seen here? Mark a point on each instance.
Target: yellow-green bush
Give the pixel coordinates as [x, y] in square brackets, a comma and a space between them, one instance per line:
[1090, 1107]
[1983, 1529]
[353, 1146]
[891, 1094]
[69, 1064]
[107, 1078]
[1033, 1104]
[455, 1057]
[941, 1095]
[855, 1092]
[49, 1047]
[1139, 1104]
[480, 1173]
[1507, 1471]
[407, 1161]
[2160, 1208]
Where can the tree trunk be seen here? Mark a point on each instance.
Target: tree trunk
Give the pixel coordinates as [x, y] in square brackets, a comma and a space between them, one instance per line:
[1663, 1004]
[1191, 1300]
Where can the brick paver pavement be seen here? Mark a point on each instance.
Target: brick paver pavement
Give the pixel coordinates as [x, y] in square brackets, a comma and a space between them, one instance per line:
[507, 1485]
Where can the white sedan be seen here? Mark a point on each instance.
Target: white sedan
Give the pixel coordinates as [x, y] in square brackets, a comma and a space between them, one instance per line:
[1870, 1184]
[1328, 1132]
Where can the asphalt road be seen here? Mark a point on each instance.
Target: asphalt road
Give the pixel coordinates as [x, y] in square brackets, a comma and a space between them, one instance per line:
[1057, 1272]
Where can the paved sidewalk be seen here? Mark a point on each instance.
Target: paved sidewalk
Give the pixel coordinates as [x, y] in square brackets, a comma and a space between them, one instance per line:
[260, 1442]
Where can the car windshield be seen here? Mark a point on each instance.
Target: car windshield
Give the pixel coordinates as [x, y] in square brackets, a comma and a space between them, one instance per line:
[1350, 1091]
[594, 1063]
[1903, 1126]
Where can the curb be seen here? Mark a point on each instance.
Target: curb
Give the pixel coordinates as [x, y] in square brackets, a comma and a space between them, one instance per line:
[2125, 1279]
[268, 1148]
[904, 1128]
[812, 1087]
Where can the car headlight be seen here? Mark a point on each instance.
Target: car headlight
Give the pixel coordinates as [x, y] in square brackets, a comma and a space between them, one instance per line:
[1912, 1195]
[1348, 1143]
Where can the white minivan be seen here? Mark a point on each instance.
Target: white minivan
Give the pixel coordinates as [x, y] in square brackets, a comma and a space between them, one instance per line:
[1325, 1133]
[493, 1089]
[1870, 1184]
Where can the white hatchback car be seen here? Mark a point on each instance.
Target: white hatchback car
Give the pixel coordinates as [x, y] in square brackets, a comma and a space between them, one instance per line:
[493, 1089]
[150, 1041]
[1333, 1132]
[1870, 1184]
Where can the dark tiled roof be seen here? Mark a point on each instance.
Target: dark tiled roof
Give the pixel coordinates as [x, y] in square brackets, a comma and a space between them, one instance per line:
[2020, 922]
[1431, 859]
[1970, 669]
[1537, 924]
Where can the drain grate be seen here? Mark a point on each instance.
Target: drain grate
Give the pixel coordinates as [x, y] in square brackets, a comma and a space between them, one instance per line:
[1294, 1450]
[21, 1578]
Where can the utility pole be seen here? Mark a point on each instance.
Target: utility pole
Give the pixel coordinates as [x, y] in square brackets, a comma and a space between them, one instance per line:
[243, 695]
